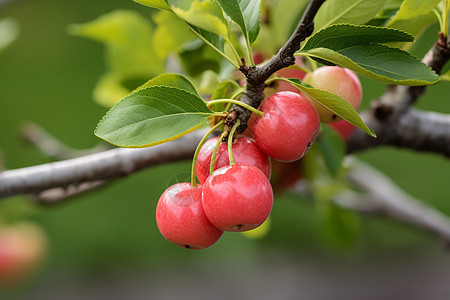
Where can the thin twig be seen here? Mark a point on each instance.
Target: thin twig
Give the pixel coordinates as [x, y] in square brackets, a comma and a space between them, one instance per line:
[392, 118]
[394, 202]
[256, 76]
[95, 167]
[58, 194]
[380, 196]
[52, 147]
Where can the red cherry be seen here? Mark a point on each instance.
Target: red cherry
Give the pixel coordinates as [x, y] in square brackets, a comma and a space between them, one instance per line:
[245, 152]
[291, 73]
[181, 219]
[288, 128]
[343, 128]
[22, 248]
[286, 175]
[258, 58]
[340, 81]
[237, 198]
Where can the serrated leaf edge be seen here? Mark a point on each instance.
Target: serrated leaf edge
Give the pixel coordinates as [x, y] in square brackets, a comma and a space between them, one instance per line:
[152, 144]
[392, 81]
[407, 34]
[301, 87]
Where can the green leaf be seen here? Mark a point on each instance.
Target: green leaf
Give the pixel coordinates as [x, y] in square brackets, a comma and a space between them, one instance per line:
[339, 228]
[358, 48]
[161, 4]
[333, 103]
[171, 34]
[284, 17]
[345, 35]
[197, 57]
[172, 80]
[415, 26]
[347, 11]
[224, 90]
[204, 15]
[413, 8]
[332, 149]
[252, 12]
[130, 52]
[108, 90]
[214, 40]
[446, 76]
[245, 13]
[151, 116]
[207, 81]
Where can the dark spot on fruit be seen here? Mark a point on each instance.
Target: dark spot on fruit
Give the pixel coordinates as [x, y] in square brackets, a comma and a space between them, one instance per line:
[187, 246]
[334, 116]
[309, 144]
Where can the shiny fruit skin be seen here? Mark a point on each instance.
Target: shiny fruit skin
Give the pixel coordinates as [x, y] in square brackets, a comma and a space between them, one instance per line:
[181, 219]
[337, 80]
[245, 151]
[290, 73]
[286, 175]
[288, 128]
[237, 198]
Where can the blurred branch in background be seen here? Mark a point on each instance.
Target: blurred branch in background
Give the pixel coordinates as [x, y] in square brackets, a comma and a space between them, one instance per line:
[384, 197]
[378, 195]
[52, 147]
[3, 2]
[58, 194]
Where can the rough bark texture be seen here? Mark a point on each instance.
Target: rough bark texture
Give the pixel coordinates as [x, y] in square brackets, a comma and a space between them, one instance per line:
[256, 76]
[397, 124]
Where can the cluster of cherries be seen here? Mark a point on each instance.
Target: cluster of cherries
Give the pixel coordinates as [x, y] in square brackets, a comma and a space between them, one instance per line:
[235, 194]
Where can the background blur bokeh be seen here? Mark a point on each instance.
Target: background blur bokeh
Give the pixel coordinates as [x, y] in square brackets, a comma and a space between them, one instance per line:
[105, 245]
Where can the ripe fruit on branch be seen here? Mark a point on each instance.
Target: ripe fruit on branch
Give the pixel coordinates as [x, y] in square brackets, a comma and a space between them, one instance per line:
[286, 175]
[337, 80]
[288, 128]
[237, 198]
[181, 219]
[22, 248]
[291, 72]
[245, 151]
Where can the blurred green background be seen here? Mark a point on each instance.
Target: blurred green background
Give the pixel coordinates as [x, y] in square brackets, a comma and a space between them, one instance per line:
[105, 245]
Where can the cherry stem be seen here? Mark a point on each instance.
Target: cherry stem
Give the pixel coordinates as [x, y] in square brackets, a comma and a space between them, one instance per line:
[197, 151]
[250, 108]
[230, 142]
[234, 96]
[279, 78]
[216, 147]
[445, 18]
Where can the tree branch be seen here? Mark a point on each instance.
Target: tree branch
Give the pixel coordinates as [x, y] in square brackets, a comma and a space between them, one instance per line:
[389, 199]
[58, 194]
[395, 123]
[52, 147]
[414, 129]
[381, 196]
[256, 76]
[95, 167]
